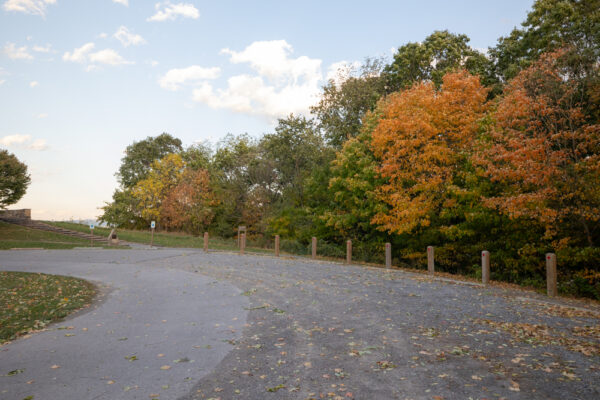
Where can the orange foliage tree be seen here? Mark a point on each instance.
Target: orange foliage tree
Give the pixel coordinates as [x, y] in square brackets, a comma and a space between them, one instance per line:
[544, 152]
[190, 205]
[424, 138]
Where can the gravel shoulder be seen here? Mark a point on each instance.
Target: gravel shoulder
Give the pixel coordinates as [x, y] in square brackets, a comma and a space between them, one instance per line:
[323, 330]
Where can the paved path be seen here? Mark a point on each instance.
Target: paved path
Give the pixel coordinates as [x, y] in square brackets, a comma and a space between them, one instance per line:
[172, 326]
[314, 330]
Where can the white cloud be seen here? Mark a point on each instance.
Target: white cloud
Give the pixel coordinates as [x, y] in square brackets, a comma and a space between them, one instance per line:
[35, 7]
[128, 38]
[38, 145]
[23, 141]
[79, 55]
[41, 49]
[2, 81]
[17, 53]
[283, 85]
[103, 35]
[84, 54]
[12, 140]
[33, 84]
[123, 2]
[42, 115]
[271, 59]
[109, 57]
[174, 78]
[169, 11]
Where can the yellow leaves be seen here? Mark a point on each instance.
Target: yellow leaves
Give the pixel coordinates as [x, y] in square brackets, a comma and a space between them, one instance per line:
[150, 192]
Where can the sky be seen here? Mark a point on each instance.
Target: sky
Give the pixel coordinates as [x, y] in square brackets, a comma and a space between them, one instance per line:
[80, 80]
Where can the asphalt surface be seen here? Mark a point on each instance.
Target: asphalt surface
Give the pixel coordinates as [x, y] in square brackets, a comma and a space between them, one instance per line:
[153, 330]
[293, 328]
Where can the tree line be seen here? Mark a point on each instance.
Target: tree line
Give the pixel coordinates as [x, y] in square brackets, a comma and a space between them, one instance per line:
[442, 146]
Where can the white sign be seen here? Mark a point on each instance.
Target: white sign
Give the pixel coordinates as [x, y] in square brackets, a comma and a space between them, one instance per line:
[152, 224]
[91, 226]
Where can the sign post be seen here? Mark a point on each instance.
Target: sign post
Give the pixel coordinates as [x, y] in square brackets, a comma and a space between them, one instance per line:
[152, 226]
[92, 231]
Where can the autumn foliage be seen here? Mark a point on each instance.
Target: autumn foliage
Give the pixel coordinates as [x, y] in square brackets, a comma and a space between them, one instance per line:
[443, 146]
[424, 138]
[543, 153]
[190, 205]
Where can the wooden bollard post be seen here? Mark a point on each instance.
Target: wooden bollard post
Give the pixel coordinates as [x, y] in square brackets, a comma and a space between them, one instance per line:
[314, 248]
[276, 245]
[485, 267]
[349, 252]
[205, 241]
[430, 262]
[242, 243]
[551, 274]
[388, 255]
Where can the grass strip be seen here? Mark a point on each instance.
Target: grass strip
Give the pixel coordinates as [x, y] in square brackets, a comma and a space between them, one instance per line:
[163, 239]
[30, 301]
[16, 236]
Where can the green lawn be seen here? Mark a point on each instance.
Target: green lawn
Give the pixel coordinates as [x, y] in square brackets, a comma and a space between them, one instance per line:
[15, 236]
[165, 239]
[29, 301]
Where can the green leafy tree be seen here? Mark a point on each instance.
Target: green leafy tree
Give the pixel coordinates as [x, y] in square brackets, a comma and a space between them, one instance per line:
[440, 53]
[551, 24]
[293, 151]
[345, 101]
[198, 156]
[353, 185]
[298, 155]
[14, 179]
[139, 157]
[123, 211]
[244, 184]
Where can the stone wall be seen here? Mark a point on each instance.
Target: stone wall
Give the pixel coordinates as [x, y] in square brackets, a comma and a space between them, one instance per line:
[16, 214]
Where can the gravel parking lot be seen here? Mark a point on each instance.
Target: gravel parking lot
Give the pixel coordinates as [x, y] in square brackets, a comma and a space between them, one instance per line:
[260, 327]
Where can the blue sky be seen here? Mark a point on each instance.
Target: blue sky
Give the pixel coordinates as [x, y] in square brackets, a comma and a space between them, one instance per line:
[82, 79]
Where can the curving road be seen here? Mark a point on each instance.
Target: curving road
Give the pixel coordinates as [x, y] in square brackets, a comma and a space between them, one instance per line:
[154, 330]
[293, 328]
